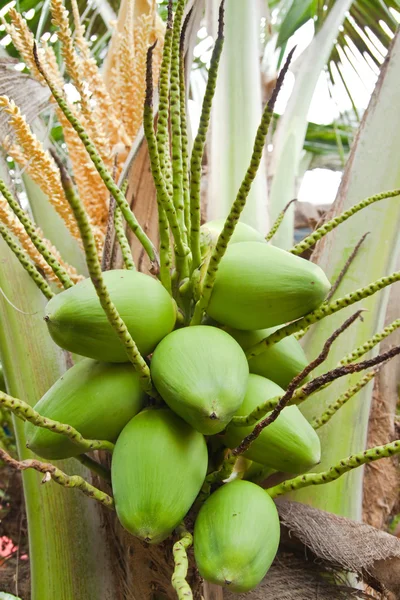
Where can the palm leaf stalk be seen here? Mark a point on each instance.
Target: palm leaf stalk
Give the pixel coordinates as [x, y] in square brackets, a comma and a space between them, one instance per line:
[382, 220]
[235, 117]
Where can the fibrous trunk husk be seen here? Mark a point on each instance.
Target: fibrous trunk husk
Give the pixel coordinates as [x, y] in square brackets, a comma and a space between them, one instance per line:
[321, 552]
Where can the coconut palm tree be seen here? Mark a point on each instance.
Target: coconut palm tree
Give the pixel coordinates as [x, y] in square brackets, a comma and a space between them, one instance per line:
[87, 553]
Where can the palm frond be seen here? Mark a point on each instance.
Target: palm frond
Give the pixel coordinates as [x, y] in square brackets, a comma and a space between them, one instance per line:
[362, 41]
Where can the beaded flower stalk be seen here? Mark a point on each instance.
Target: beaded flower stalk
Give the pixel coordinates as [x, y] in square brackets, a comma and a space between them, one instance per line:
[99, 131]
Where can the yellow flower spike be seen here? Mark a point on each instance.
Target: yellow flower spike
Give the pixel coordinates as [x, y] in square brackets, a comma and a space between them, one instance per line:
[126, 60]
[8, 218]
[74, 68]
[89, 183]
[40, 165]
[105, 109]
[49, 58]
[22, 39]
[142, 10]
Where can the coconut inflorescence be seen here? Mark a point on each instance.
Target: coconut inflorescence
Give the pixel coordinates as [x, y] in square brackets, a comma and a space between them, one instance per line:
[164, 377]
[202, 380]
[168, 374]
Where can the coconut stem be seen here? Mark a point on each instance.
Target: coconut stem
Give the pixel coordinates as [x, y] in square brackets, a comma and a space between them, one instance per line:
[122, 240]
[315, 385]
[200, 141]
[345, 465]
[99, 165]
[325, 310]
[164, 200]
[338, 280]
[30, 229]
[278, 221]
[346, 267]
[284, 400]
[52, 472]
[95, 467]
[184, 130]
[94, 268]
[24, 411]
[239, 203]
[175, 116]
[181, 563]
[369, 344]
[332, 409]
[25, 261]
[158, 147]
[312, 239]
[224, 472]
[341, 371]
[162, 136]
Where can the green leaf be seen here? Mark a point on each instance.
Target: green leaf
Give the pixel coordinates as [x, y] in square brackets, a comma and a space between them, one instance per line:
[5, 596]
[299, 13]
[324, 139]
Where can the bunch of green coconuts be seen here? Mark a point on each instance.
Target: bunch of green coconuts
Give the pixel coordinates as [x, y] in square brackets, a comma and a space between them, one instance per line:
[163, 453]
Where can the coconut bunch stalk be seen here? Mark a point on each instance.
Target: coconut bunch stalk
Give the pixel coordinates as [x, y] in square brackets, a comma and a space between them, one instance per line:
[174, 457]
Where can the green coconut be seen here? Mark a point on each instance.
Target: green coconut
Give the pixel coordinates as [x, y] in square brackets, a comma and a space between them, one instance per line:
[288, 444]
[280, 362]
[97, 399]
[77, 322]
[201, 372]
[236, 536]
[158, 467]
[258, 286]
[210, 231]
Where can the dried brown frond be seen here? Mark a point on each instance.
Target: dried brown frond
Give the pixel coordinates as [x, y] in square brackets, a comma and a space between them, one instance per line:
[75, 69]
[39, 164]
[8, 218]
